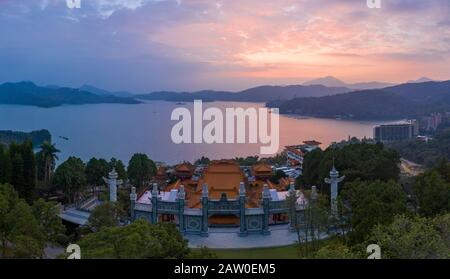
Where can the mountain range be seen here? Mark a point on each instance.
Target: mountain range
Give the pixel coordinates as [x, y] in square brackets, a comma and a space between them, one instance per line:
[28, 93]
[256, 94]
[412, 99]
[407, 100]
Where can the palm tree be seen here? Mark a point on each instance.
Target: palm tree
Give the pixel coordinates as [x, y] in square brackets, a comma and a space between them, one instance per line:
[49, 157]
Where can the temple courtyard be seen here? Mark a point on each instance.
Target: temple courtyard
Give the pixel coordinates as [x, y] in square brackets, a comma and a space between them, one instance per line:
[228, 238]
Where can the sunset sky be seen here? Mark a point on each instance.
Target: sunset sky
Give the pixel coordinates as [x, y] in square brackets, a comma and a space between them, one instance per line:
[148, 45]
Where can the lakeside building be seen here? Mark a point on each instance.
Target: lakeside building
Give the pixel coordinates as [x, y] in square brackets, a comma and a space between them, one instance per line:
[431, 122]
[295, 153]
[223, 196]
[396, 132]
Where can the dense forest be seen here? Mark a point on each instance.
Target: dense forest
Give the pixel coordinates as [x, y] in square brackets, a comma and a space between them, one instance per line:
[364, 161]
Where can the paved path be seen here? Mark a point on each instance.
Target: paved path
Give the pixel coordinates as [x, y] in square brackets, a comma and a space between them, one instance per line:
[228, 238]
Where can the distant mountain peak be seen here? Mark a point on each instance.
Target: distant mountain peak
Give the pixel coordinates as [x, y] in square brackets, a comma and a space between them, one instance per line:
[331, 81]
[420, 80]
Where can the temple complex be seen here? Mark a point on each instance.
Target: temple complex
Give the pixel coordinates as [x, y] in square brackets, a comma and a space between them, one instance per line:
[223, 194]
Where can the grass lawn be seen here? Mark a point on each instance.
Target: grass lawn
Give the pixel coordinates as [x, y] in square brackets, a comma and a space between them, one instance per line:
[285, 252]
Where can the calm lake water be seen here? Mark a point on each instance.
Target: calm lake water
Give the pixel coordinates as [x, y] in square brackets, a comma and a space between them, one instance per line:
[115, 130]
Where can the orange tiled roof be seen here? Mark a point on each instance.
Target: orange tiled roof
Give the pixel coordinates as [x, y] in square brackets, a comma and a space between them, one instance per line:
[225, 176]
[161, 170]
[184, 167]
[222, 176]
[261, 168]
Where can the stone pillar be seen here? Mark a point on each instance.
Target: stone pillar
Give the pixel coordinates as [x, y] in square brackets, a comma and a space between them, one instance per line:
[291, 187]
[334, 184]
[243, 223]
[293, 215]
[266, 201]
[133, 197]
[155, 203]
[112, 183]
[181, 200]
[205, 200]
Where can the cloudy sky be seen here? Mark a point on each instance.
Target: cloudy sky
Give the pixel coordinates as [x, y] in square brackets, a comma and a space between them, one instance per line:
[147, 45]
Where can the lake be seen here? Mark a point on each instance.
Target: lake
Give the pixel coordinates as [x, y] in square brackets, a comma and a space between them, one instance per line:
[116, 130]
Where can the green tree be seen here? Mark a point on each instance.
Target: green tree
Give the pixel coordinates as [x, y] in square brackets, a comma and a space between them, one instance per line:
[106, 215]
[18, 168]
[277, 176]
[47, 160]
[5, 165]
[139, 240]
[96, 170]
[25, 234]
[372, 203]
[308, 221]
[46, 213]
[17, 177]
[409, 238]
[202, 161]
[20, 234]
[432, 192]
[70, 177]
[8, 199]
[364, 161]
[443, 168]
[29, 172]
[140, 170]
[119, 167]
[442, 225]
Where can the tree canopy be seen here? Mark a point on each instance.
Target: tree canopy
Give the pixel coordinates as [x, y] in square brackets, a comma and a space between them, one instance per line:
[25, 229]
[70, 177]
[106, 215]
[141, 169]
[119, 167]
[139, 240]
[46, 159]
[412, 238]
[363, 161]
[372, 203]
[96, 169]
[18, 168]
[432, 190]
